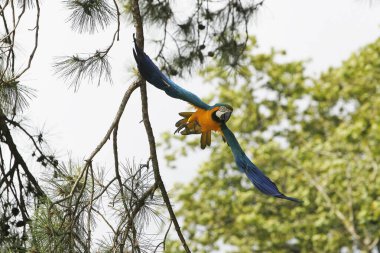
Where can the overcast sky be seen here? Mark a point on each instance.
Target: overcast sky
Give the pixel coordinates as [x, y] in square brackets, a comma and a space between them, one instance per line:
[324, 31]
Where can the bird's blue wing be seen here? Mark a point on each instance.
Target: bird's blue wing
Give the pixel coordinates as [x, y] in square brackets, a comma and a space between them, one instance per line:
[257, 177]
[150, 72]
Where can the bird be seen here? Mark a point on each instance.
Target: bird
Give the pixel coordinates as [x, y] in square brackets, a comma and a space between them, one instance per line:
[204, 120]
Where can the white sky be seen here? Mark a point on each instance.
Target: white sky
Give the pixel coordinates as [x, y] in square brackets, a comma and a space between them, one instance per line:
[324, 31]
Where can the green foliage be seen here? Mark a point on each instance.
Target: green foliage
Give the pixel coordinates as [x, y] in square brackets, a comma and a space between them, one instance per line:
[318, 139]
[53, 232]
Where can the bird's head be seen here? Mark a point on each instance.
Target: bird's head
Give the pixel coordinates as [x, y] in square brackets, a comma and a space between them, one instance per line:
[223, 113]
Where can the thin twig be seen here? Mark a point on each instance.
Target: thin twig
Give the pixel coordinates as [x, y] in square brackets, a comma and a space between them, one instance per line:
[36, 29]
[164, 240]
[89, 215]
[104, 219]
[139, 204]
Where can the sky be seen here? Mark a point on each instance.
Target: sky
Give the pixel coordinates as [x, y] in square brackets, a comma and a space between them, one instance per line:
[323, 32]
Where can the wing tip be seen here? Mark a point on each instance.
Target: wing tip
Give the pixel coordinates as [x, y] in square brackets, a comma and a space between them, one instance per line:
[145, 65]
[282, 196]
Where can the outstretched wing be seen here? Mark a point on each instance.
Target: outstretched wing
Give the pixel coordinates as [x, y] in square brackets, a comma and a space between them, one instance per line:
[150, 72]
[257, 177]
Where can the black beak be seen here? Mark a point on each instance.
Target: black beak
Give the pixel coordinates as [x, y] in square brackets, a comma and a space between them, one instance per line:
[226, 116]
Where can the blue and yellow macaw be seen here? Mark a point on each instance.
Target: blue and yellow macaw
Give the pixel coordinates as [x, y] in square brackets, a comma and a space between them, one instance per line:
[205, 119]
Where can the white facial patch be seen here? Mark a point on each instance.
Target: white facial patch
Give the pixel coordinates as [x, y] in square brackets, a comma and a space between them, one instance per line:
[219, 114]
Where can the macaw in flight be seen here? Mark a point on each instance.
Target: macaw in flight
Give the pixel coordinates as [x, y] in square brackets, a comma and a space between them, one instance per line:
[205, 119]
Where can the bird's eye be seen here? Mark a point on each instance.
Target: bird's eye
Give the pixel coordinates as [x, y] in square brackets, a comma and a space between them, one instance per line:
[224, 109]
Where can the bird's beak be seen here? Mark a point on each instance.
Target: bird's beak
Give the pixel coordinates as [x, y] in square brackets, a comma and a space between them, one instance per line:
[225, 116]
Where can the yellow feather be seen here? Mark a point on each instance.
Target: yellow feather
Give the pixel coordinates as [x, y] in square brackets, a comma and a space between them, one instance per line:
[208, 138]
[186, 114]
[203, 140]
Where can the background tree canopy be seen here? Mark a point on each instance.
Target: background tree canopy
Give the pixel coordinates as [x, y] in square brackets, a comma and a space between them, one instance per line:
[318, 138]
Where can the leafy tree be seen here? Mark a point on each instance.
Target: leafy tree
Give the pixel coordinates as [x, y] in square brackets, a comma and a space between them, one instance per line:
[318, 138]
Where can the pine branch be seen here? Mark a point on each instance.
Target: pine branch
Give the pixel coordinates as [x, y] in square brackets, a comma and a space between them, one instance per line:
[26, 4]
[14, 97]
[90, 15]
[75, 69]
[74, 195]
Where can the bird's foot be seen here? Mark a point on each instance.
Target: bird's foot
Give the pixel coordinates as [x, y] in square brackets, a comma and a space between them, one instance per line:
[180, 127]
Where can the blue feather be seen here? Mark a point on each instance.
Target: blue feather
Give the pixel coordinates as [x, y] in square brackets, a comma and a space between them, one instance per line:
[150, 72]
[255, 175]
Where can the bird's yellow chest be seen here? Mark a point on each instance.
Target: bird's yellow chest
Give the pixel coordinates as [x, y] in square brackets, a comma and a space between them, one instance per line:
[204, 119]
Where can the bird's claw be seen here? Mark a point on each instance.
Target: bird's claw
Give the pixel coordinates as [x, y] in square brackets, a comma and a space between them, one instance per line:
[182, 126]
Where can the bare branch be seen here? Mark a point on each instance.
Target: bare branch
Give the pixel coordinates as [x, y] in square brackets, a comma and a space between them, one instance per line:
[36, 35]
